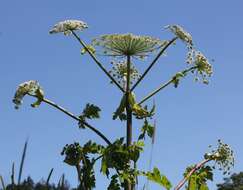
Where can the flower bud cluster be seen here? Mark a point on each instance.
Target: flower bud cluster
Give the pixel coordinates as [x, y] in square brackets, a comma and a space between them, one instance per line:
[203, 67]
[67, 26]
[119, 72]
[30, 87]
[181, 34]
[223, 156]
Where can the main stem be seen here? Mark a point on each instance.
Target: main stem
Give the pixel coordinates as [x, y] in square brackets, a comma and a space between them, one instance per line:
[128, 185]
[128, 107]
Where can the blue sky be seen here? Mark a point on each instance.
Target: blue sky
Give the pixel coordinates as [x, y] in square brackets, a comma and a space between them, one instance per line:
[189, 118]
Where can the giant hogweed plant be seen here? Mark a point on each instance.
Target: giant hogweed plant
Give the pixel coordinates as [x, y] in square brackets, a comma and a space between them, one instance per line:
[119, 158]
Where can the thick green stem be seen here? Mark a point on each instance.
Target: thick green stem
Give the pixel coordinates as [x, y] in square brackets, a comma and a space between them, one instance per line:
[153, 62]
[128, 185]
[96, 61]
[128, 107]
[165, 85]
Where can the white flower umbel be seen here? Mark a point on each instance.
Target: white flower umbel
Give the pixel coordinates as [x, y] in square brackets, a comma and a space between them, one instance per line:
[67, 26]
[181, 34]
[120, 45]
[204, 69]
[31, 88]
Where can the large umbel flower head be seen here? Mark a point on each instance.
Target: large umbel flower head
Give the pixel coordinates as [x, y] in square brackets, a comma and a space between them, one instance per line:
[128, 45]
[67, 26]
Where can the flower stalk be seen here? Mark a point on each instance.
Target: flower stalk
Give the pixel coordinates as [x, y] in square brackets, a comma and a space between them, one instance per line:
[154, 61]
[77, 119]
[196, 167]
[96, 61]
[165, 85]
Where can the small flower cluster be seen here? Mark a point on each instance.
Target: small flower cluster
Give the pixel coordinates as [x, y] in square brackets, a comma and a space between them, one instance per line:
[73, 154]
[31, 88]
[203, 67]
[223, 156]
[67, 26]
[128, 45]
[181, 34]
[119, 71]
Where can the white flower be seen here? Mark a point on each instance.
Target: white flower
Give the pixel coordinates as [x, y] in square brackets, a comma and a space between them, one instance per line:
[128, 45]
[67, 26]
[181, 33]
[204, 67]
[30, 87]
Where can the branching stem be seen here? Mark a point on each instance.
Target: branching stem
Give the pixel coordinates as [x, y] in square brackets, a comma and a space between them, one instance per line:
[164, 85]
[153, 62]
[96, 61]
[77, 119]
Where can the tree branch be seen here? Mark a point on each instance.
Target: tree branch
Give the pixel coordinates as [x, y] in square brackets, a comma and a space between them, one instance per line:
[165, 85]
[96, 61]
[197, 167]
[153, 62]
[77, 119]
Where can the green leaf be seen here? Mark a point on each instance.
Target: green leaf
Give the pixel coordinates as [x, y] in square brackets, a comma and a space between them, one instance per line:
[140, 143]
[119, 111]
[192, 184]
[177, 78]
[40, 95]
[142, 112]
[114, 184]
[156, 177]
[91, 111]
[139, 111]
[104, 167]
[90, 48]
[204, 187]
[131, 99]
[93, 148]
[146, 129]
[198, 180]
